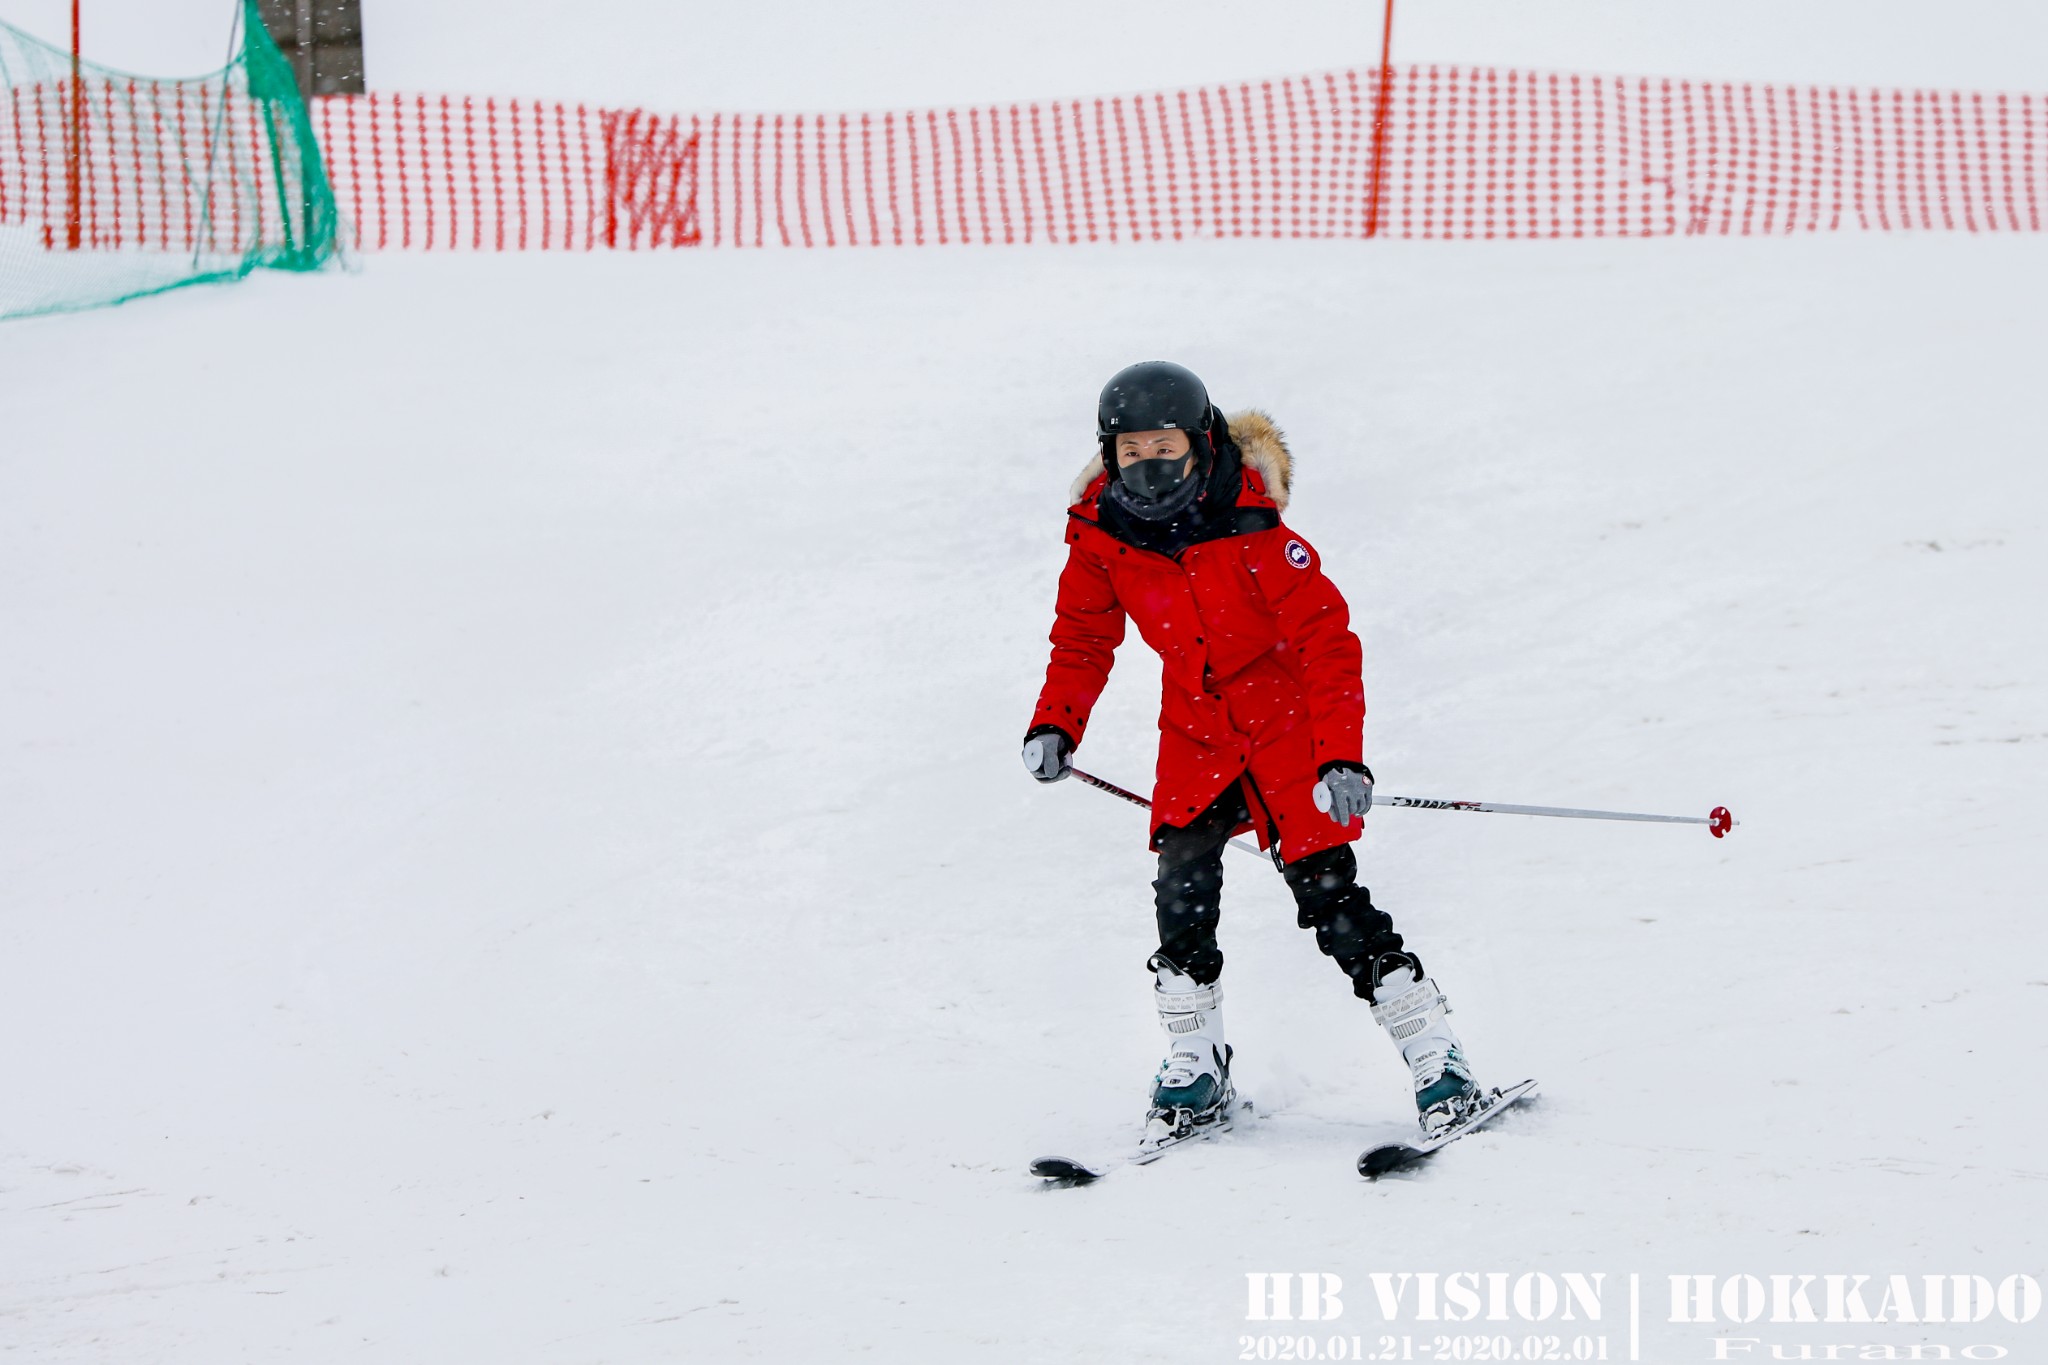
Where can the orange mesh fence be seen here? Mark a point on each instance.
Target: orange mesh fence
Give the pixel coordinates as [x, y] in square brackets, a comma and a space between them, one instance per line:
[1471, 152]
[143, 185]
[460, 172]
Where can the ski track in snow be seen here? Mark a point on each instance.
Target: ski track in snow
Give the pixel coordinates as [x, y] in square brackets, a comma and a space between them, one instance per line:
[525, 859]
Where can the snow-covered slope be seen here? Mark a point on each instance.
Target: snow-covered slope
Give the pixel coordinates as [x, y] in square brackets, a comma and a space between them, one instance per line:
[514, 848]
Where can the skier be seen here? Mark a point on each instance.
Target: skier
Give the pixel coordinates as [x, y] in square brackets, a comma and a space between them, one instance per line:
[1175, 525]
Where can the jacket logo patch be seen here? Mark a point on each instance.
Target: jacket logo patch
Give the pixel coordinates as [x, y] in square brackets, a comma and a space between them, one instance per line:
[1297, 554]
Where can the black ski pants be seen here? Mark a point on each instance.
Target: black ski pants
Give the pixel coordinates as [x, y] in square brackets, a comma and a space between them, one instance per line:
[1349, 928]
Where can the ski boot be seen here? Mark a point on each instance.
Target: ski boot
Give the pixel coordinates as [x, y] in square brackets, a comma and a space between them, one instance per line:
[1191, 1092]
[1411, 1009]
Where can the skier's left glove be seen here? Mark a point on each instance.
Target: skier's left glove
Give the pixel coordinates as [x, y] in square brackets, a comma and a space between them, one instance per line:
[1344, 790]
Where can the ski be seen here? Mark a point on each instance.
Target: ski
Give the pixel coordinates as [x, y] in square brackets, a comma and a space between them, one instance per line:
[1375, 1162]
[1061, 1172]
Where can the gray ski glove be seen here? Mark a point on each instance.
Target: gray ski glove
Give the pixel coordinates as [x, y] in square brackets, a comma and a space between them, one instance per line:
[1344, 791]
[1049, 755]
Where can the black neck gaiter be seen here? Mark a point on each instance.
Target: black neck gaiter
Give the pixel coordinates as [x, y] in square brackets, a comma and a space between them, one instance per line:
[1202, 507]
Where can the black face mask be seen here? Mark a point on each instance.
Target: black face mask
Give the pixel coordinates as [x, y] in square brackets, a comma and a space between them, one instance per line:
[1198, 507]
[1156, 481]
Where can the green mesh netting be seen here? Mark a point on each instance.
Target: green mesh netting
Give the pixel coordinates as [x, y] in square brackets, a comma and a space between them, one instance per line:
[113, 185]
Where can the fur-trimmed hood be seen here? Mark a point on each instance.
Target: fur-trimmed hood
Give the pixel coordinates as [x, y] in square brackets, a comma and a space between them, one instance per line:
[1259, 441]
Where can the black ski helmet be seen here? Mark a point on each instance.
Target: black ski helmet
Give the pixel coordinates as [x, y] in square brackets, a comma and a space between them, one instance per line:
[1153, 395]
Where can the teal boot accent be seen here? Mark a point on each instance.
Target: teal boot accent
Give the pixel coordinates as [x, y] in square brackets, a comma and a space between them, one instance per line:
[1445, 1100]
[1195, 1078]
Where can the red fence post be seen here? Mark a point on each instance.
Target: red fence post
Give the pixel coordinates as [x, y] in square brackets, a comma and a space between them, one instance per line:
[74, 229]
[1379, 122]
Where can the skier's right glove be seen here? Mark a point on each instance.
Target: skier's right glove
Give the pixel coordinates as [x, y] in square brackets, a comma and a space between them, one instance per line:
[1049, 754]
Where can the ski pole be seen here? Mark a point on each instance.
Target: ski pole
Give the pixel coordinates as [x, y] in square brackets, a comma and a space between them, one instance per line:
[1114, 790]
[1718, 822]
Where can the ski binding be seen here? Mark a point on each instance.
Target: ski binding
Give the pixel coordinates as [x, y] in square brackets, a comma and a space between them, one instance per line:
[1375, 1162]
[1164, 1131]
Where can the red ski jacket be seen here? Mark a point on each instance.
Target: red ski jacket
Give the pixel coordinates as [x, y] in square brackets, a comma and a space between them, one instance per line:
[1262, 676]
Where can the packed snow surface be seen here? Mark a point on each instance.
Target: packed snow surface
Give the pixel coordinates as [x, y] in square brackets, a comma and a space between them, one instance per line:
[512, 845]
